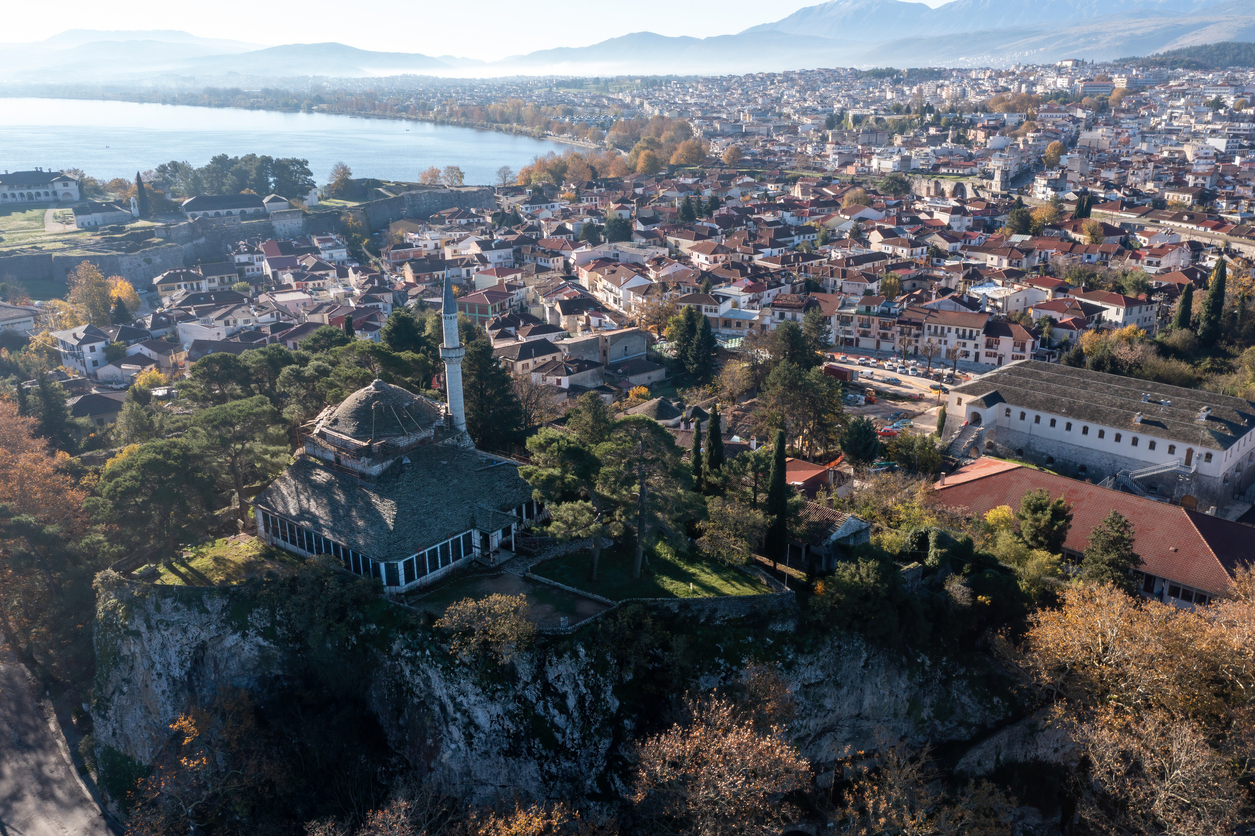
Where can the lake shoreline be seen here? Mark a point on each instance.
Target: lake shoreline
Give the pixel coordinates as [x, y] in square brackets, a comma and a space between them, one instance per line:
[114, 138]
[510, 130]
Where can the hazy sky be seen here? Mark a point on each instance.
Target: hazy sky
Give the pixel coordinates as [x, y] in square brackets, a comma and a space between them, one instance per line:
[486, 29]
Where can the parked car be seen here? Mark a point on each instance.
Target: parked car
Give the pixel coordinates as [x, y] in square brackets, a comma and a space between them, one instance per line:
[903, 423]
[863, 361]
[883, 467]
[887, 432]
[892, 381]
[901, 369]
[937, 387]
[949, 378]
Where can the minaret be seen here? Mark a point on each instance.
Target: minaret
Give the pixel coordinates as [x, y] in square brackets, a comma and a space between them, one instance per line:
[453, 352]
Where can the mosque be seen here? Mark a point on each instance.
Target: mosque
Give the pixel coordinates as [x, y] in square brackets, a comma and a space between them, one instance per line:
[390, 484]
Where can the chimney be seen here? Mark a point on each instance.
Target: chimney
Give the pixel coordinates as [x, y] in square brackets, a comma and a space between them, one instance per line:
[753, 442]
[1145, 397]
[1137, 418]
[1203, 414]
[942, 481]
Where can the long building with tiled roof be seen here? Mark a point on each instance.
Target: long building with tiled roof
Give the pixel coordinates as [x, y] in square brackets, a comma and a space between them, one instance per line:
[1188, 557]
[1098, 425]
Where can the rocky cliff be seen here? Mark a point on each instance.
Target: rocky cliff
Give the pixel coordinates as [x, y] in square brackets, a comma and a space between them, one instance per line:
[553, 723]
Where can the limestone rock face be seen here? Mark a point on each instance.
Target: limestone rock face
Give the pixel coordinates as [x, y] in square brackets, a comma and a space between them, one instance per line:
[550, 725]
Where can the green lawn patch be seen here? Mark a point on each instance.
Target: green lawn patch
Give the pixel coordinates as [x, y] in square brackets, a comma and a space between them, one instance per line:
[667, 576]
[228, 561]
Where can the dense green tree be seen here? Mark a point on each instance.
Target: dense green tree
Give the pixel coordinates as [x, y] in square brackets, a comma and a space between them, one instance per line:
[1109, 557]
[682, 332]
[941, 421]
[916, 453]
[1020, 221]
[246, 443]
[699, 358]
[591, 420]
[135, 424]
[50, 409]
[215, 378]
[714, 457]
[1044, 523]
[141, 197]
[859, 442]
[1185, 309]
[324, 339]
[712, 205]
[494, 418]
[348, 327]
[618, 229]
[687, 213]
[1074, 356]
[789, 343]
[563, 475]
[156, 496]
[120, 315]
[776, 542]
[696, 467]
[1210, 318]
[402, 333]
[643, 473]
[817, 329]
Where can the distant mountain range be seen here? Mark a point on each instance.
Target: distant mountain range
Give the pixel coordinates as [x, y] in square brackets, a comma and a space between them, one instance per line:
[837, 33]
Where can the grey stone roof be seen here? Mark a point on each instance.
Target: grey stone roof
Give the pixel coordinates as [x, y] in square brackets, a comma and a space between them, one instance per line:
[1111, 400]
[660, 409]
[382, 411]
[443, 492]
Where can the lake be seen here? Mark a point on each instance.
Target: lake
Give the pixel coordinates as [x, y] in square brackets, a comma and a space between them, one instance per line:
[116, 139]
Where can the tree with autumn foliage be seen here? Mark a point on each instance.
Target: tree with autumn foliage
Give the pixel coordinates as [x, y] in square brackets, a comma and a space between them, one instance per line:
[48, 553]
[1157, 699]
[719, 773]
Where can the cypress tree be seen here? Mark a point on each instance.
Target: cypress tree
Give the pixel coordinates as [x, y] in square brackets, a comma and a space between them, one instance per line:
[941, 421]
[141, 197]
[778, 503]
[695, 457]
[348, 326]
[700, 358]
[1213, 306]
[714, 444]
[1185, 310]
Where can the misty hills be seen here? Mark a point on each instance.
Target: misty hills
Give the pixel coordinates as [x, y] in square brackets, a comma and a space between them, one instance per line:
[832, 34]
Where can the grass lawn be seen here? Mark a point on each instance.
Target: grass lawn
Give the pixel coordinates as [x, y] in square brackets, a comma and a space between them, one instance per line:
[666, 576]
[227, 561]
[547, 604]
[23, 227]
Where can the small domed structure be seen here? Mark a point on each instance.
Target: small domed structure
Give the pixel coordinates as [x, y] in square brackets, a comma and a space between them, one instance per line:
[374, 427]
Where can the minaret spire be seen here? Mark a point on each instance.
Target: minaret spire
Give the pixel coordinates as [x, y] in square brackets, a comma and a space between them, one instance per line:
[453, 352]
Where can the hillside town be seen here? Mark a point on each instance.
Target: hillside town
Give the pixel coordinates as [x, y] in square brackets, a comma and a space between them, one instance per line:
[763, 372]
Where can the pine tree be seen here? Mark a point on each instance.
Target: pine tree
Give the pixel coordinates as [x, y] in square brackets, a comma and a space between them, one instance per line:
[681, 331]
[1213, 306]
[1109, 555]
[777, 540]
[1185, 309]
[700, 359]
[714, 445]
[687, 213]
[141, 197]
[120, 315]
[1044, 523]
[695, 458]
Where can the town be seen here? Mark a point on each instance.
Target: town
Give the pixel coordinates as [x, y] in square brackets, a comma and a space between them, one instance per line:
[784, 427]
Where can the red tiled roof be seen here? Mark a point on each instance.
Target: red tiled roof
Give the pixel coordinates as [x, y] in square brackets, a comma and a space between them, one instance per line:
[1190, 548]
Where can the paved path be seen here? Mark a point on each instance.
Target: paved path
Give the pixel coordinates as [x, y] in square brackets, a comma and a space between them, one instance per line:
[52, 225]
[39, 793]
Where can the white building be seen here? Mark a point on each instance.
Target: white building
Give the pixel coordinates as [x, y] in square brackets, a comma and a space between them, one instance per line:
[1192, 447]
[37, 186]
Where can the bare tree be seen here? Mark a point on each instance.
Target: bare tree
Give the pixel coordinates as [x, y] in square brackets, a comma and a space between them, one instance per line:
[505, 176]
[538, 400]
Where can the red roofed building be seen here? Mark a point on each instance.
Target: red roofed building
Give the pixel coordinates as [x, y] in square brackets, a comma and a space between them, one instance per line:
[1187, 557]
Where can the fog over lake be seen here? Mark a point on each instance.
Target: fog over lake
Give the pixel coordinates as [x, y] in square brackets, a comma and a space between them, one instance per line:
[116, 139]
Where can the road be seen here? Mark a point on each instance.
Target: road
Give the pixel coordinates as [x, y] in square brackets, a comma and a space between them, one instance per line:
[39, 793]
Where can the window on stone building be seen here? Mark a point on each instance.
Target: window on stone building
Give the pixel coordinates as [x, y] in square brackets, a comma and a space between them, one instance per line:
[1067, 427]
[1172, 448]
[1052, 422]
[1102, 433]
[1133, 441]
[1207, 457]
[1117, 438]
[1150, 445]
[1036, 419]
[1022, 416]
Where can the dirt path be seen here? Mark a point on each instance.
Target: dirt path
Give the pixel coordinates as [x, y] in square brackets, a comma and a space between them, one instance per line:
[39, 793]
[52, 225]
